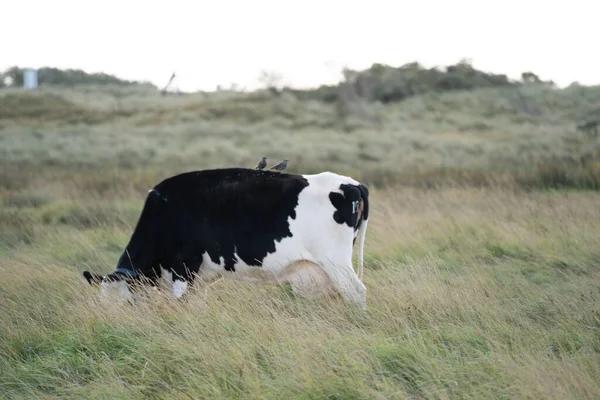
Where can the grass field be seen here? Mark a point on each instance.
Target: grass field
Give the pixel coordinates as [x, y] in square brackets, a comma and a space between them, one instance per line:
[482, 265]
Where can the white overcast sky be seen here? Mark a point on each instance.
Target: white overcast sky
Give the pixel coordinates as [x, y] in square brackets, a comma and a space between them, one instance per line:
[207, 43]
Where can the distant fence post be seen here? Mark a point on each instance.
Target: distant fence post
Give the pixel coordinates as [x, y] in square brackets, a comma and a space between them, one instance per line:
[30, 78]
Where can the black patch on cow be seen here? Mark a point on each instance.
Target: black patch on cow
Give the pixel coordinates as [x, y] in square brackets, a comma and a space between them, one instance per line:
[156, 193]
[219, 211]
[344, 203]
[346, 211]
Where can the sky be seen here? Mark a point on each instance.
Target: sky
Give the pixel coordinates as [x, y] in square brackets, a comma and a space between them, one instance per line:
[224, 42]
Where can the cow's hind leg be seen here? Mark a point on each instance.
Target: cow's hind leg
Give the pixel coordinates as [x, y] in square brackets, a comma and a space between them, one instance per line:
[308, 280]
[346, 282]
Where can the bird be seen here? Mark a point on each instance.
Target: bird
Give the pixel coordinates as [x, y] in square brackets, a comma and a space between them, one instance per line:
[262, 163]
[280, 166]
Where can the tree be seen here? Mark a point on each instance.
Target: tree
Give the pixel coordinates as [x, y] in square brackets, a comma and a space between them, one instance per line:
[272, 81]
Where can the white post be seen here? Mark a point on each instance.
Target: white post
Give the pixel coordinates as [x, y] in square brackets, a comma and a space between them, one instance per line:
[30, 78]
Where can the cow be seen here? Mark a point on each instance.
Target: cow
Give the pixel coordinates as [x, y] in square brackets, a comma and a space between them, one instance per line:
[248, 225]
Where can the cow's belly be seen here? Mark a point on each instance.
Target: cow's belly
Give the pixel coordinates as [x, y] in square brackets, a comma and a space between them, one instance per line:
[277, 267]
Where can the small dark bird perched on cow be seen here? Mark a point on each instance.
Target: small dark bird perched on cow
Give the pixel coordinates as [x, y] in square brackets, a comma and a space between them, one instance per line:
[281, 166]
[262, 163]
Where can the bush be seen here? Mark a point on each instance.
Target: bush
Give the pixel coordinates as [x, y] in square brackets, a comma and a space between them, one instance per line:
[389, 84]
[68, 77]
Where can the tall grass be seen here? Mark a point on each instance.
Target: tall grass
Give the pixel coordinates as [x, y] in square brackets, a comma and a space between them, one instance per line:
[472, 293]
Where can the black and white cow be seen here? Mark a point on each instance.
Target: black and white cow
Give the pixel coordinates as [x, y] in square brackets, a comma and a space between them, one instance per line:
[249, 225]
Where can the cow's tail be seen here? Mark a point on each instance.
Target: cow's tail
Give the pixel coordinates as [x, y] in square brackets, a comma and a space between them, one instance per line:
[362, 231]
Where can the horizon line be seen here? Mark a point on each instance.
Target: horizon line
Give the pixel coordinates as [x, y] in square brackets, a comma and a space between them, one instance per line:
[257, 86]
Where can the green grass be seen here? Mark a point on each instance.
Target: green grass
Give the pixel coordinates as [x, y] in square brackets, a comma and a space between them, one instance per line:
[479, 285]
[472, 293]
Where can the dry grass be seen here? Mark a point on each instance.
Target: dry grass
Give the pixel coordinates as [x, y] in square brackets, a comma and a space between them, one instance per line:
[472, 293]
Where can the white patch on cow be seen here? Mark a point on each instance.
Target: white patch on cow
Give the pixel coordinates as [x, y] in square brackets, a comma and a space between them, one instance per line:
[179, 288]
[316, 238]
[175, 286]
[115, 291]
[166, 278]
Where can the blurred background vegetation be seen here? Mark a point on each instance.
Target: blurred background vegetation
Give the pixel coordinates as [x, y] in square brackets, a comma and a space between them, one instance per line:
[409, 124]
